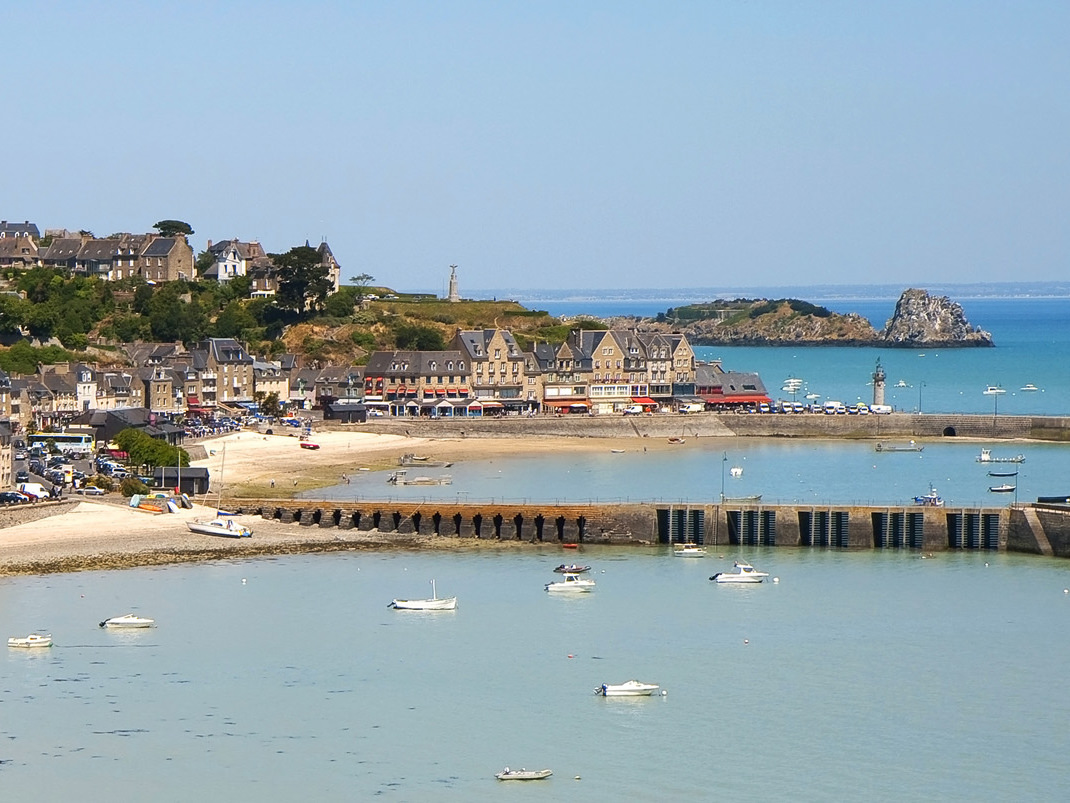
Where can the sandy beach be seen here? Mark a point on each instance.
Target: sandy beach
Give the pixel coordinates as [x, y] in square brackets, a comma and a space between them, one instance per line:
[104, 532]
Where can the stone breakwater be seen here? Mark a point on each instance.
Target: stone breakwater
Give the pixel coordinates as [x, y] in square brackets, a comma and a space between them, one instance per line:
[726, 425]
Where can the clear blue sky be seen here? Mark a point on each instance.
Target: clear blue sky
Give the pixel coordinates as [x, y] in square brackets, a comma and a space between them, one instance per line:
[558, 144]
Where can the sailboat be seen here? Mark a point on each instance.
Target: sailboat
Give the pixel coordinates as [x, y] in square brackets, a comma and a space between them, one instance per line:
[223, 524]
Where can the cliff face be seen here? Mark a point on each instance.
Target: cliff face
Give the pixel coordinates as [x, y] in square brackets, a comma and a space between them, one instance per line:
[924, 320]
[785, 327]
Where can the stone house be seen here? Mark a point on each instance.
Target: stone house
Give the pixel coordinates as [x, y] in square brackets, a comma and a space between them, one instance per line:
[166, 259]
[231, 367]
[19, 253]
[618, 375]
[416, 382]
[233, 258]
[19, 230]
[566, 371]
[496, 370]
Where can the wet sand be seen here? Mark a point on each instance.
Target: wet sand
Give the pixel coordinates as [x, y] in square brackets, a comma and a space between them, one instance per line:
[105, 533]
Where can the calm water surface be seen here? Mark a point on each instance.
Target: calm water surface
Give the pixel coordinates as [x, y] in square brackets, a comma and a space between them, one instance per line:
[872, 675]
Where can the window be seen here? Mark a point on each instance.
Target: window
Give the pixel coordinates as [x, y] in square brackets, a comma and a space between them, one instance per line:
[497, 354]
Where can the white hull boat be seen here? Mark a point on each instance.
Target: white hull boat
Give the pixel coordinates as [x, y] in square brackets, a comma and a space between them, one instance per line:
[32, 640]
[570, 584]
[986, 457]
[436, 603]
[523, 775]
[631, 688]
[689, 551]
[129, 620]
[744, 573]
[221, 526]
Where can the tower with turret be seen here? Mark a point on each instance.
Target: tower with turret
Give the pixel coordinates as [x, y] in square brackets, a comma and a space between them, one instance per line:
[878, 383]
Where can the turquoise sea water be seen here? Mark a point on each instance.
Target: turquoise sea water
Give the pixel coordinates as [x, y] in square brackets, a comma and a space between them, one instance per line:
[859, 676]
[871, 675]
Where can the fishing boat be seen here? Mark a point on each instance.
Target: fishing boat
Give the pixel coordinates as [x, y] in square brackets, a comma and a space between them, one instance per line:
[571, 583]
[128, 620]
[909, 446]
[986, 457]
[32, 640]
[689, 551]
[744, 573]
[1006, 488]
[630, 688]
[223, 524]
[523, 775]
[931, 499]
[434, 604]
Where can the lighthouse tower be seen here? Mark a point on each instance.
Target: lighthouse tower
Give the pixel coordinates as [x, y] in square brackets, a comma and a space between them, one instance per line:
[878, 383]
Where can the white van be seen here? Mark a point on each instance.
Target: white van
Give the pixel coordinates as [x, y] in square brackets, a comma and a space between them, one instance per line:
[880, 409]
[634, 409]
[34, 490]
[692, 407]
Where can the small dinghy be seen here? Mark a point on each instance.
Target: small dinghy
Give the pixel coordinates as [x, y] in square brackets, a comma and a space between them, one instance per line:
[523, 775]
[436, 603]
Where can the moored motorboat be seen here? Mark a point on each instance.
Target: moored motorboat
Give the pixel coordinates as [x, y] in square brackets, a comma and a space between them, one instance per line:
[909, 446]
[931, 499]
[32, 640]
[1006, 488]
[688, 551]
[128, 620]
[993, 390]
[523, 775]
[221, 525]
[434, 604]
[986, 457]
[571, 583]
[1029, 388]
[744, 573]
[571, 568]
[630, 688]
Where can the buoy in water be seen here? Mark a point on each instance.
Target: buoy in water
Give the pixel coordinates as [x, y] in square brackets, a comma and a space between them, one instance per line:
[776, 579]
[746, 641]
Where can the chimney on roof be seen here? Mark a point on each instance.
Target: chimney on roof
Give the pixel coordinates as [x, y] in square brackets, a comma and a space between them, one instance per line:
[209, 248]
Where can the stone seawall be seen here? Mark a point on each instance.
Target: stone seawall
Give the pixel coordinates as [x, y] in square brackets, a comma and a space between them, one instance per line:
[808, 425]
[1025, 529]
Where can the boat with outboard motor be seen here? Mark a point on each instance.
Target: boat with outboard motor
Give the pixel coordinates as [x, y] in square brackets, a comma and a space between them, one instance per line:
[128, 620]
[1006, 488]
[689, 550]
[744, 573]
[931, 499]
[523, 775]
[630, 688]
[571, 568]
[909, 446]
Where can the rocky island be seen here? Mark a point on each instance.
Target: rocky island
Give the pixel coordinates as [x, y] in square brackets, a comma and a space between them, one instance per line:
[920, 320]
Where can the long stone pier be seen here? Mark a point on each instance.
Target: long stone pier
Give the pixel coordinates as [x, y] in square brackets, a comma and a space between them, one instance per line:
[1038, 529]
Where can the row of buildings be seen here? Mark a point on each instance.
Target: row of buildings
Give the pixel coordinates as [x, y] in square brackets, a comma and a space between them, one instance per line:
[484, 372]
[153, 257]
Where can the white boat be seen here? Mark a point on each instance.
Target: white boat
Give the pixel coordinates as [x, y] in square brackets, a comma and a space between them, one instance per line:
[986, 457]
[993, 390]
[744, 573]
[32, 640]
[571, 568]
[436, 603]
[523, 775]
[570, 583]
[1006, 488]
[931, 499]
[221, 525]
[688, 551]
[630, 688]
[128, 620]
[1030, 388]
[736, 471]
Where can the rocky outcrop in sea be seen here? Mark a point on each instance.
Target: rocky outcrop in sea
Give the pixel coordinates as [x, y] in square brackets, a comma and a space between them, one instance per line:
[922, 320]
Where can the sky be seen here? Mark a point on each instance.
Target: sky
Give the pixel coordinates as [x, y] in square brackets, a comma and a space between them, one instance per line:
[558, 145]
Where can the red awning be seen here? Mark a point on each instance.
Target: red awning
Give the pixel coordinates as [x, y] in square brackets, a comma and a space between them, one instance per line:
[643, 400]
[451, 390]
[193, 400]
[740, 399]
[440, 391]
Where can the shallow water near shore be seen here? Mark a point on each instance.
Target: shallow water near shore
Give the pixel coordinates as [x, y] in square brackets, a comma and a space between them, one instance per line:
[284, 677]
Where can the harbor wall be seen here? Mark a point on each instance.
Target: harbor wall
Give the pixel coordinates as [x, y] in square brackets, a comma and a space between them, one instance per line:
[1027, 528]
[794, 425]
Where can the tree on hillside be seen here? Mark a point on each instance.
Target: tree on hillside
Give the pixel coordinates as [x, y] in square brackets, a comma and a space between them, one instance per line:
[361, 282]
[304, 281]
[13, 311]
[173, 228]
[205, 260]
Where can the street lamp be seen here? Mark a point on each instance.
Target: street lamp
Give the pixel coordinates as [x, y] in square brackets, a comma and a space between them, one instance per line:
[724, 460]
[920, 386]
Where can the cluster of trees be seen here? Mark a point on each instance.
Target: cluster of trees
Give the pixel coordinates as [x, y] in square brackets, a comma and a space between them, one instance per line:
[144, 450]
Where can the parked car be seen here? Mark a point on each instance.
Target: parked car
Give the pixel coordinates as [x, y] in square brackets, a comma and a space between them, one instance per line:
[22, 476]
[91, 490]
[21, 455]
[13, 498]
